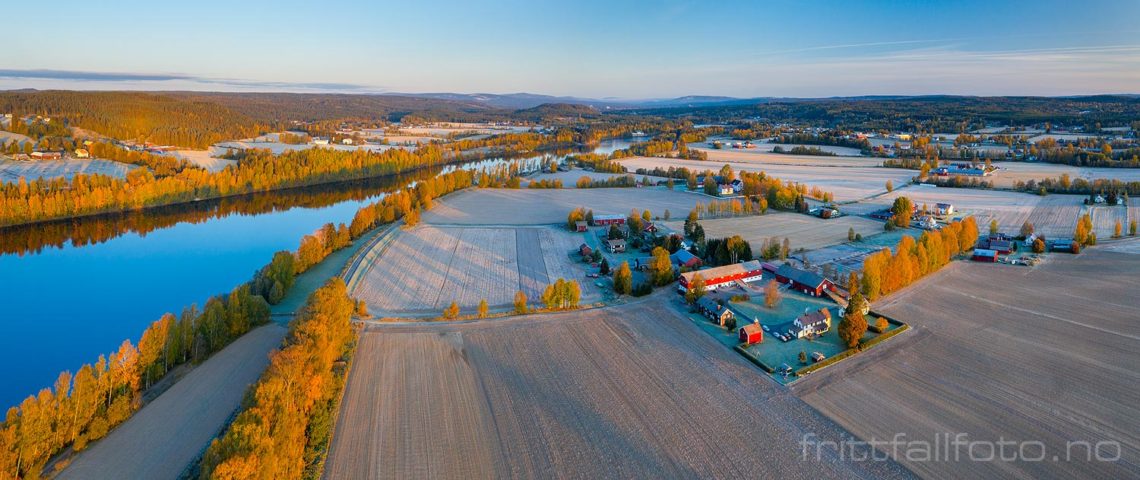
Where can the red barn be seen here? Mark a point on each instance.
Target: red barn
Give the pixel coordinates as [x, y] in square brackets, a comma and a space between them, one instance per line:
[984, 255]
[749, 271]
[609, 220]
[810, 283]
[751, 333]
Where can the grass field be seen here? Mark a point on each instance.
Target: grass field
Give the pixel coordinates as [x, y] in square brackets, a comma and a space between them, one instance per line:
[161, 440]
[497, 206]
[426, 268]
[803, 231]
[846, 182]
[635, 391]
[1045, 355]
[11, 170]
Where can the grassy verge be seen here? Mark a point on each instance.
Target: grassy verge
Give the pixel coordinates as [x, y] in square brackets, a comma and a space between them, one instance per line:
[847, 353]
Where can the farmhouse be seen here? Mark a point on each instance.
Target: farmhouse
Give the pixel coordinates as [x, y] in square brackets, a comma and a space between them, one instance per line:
[609, 220]
[810, 283]
[752, 333]
[616, 245]
[714, 311]
[944, 209]
[725, 190]
[585, 250]
[966, 170]
[984, 255]
[650, 228]
[82, 153]
[715, 277]
[580, 226]
[811, 323]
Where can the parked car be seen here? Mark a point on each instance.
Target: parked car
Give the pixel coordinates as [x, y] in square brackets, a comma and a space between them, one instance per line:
[818, 357]
[592, 275]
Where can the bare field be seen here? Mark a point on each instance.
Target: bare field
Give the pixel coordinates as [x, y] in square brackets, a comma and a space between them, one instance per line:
[1013, 171]
[206, 158]
[763, 153]
[1052, 214]
[845, 182]
[1026, 355]
[1104, 220]
[161, 440]
[497, 206]
[803, 231]
[633, 391]
[11, 170]
[426, 268]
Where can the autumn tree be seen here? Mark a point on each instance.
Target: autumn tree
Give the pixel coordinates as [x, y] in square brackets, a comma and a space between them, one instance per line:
[697, 288]
[452, 311]
[853, 325]
[483, 308]
[772, 294]
[520, 302]
[902, 209]
[623, 279]
[993, 227]
[660, 267]
[1026, 229]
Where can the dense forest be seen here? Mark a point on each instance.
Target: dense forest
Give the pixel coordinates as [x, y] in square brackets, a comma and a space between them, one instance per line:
[929, 114]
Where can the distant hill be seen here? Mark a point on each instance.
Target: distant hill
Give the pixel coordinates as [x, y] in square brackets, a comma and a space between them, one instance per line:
[550, 111]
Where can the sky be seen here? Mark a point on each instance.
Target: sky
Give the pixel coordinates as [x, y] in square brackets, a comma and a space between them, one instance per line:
[585, 48]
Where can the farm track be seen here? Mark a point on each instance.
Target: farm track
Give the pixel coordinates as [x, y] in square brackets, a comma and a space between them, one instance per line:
[1050, 357]
[633, 391]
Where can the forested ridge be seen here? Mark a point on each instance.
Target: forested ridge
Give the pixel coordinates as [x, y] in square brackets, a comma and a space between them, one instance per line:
[257, 171]
[198, 120]
[929, 113]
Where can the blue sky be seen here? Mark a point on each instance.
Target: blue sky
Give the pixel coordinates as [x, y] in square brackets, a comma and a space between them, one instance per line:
[622, 49]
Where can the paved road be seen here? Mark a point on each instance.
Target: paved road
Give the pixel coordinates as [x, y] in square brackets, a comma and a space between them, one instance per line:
[163, 438]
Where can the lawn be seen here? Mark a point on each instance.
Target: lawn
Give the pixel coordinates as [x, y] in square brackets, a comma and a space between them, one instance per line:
[772, 351]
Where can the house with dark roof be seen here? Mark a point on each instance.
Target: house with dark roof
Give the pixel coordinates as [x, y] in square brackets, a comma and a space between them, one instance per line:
[714, 311]
[685, 258]
[804, 281]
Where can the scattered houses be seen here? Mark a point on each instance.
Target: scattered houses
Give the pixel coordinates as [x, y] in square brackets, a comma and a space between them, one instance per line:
[749, 271]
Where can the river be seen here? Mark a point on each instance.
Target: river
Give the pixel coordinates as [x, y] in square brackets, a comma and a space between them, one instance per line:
[76, 289]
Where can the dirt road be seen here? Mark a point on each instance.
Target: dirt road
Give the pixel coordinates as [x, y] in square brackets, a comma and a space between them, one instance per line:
[159, 441]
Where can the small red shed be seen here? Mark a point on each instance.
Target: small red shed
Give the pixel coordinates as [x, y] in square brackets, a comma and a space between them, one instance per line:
[751, 333]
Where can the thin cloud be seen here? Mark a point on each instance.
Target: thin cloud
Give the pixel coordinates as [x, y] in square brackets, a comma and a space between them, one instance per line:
[113, 77]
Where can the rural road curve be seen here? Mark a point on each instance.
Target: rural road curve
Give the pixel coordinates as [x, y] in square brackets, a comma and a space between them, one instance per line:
[160, 440]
